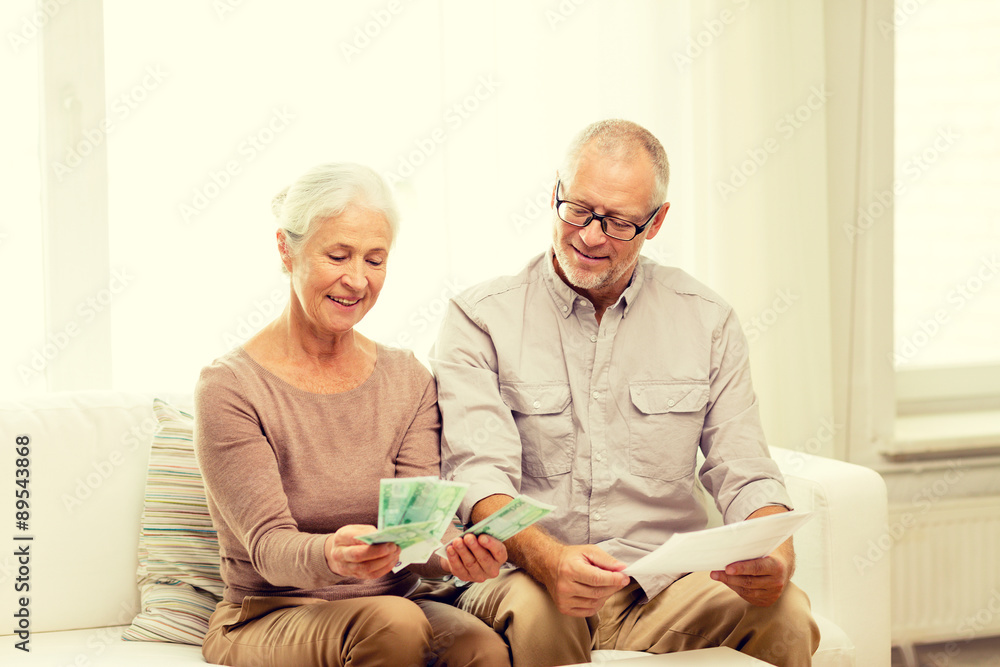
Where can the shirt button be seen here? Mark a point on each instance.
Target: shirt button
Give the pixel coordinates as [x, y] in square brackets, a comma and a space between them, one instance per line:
[536, 404]
[593, 339]
[671, 403]
[597, 516]
[565, 309]
[596, 394]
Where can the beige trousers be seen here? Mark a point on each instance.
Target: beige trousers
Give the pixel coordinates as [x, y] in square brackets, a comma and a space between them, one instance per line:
[694, 612]
[378, 630]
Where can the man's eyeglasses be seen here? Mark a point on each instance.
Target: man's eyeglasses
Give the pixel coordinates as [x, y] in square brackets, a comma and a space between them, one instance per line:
[581, 216]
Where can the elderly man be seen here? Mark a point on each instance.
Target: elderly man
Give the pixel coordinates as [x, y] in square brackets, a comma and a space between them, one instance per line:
[589, 381]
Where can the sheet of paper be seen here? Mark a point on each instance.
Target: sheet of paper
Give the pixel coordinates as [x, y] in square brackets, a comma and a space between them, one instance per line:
[715, 548]
[416, 553]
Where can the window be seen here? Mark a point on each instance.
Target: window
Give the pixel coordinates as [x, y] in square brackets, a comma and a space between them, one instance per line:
[947, 225]
[211, 108]
[30, 345]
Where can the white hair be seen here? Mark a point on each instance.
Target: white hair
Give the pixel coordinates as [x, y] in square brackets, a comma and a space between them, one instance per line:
[326, 191]
[620, 138]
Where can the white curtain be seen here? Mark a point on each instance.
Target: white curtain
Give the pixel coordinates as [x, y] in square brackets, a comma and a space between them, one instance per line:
[759, 136]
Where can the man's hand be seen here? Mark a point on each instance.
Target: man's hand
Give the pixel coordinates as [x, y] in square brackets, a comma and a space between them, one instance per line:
[472, 558]
[582, 578]
[761, 581]
[579, 578]
[350, 557]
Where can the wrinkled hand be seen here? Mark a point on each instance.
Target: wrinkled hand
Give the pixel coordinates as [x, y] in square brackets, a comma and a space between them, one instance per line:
[759, 581]
[350, 557]
[474, 559]
[584, 577]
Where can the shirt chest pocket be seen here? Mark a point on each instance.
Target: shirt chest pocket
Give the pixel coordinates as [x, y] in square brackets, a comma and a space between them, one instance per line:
[545, 423]
[665, 426]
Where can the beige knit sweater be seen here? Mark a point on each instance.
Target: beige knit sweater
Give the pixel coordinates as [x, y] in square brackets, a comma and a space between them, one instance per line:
[284, 467]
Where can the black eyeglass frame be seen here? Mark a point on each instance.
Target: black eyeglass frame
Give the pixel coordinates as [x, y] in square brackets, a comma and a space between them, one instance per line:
[602, 219]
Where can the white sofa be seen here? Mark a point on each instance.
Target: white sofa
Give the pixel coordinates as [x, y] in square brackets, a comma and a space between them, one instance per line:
[87, 473]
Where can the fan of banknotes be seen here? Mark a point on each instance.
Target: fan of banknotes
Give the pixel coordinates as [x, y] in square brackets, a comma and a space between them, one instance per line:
[415, 512]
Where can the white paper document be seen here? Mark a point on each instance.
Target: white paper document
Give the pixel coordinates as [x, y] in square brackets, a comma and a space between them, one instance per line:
[715, 548]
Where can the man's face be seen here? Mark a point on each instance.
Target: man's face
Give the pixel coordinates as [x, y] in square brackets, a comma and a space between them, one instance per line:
[586, 257]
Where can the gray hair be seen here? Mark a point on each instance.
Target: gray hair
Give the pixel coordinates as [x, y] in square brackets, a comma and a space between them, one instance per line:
[326, 191]
[620, 138]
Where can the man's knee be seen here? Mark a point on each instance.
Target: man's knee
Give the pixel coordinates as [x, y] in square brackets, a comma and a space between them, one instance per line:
[521, 609]
[515, 602]
[788, 633]
[530, 604]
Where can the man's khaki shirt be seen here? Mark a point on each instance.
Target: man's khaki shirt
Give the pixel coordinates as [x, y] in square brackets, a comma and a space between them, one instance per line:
[603, 421]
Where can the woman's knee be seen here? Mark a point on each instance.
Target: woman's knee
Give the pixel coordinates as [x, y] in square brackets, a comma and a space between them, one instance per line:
[396, 616]
[391, 629]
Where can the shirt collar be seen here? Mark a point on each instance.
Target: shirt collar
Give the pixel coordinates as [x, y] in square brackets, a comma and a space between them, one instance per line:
[632, 289]
[562, 294]
[566, 298]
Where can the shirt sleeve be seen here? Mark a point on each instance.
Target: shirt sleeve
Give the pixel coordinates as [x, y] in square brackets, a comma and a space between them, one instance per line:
[480, 444]
[242, 479]
[738, 470]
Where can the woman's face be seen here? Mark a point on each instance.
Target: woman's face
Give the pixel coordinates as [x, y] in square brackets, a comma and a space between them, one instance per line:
[340, 270]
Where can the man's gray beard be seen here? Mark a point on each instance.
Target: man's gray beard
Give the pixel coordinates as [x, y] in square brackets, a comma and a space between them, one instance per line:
[580, 279]
[590, 281]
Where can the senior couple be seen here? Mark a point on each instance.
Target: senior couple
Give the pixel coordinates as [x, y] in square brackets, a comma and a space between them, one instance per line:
[606, 373]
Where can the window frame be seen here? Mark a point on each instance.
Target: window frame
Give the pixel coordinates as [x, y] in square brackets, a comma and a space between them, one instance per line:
[75, 204]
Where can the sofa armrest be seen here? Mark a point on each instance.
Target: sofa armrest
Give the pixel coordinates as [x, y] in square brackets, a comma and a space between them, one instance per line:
[842, 553]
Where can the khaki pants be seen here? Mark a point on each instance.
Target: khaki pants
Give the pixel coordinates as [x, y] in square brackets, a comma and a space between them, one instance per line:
[378, 630]
[694, 612]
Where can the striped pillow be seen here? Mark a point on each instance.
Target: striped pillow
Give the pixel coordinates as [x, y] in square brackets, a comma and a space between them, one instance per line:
[179, 580]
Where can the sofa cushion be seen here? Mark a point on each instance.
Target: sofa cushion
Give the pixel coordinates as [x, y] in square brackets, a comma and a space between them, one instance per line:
[89, 452]
[178, 572]
[102, 647]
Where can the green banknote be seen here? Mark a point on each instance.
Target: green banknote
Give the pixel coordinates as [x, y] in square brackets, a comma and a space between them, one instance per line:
[414, 510]
[514, 517]
[394, 497]
[403, 535]
[436, 501]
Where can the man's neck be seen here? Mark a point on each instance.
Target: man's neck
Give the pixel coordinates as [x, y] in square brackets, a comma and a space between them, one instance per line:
[601, 298]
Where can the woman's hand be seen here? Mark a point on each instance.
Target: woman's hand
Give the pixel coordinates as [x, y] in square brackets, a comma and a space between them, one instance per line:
[350, 557]
[472, 558]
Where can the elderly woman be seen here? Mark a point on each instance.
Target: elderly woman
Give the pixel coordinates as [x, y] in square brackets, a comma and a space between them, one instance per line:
[295, 429]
